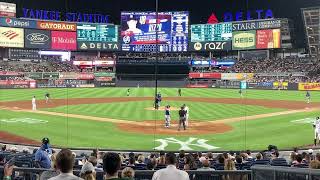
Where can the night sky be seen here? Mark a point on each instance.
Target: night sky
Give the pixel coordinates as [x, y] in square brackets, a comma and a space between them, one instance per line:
[199, 10]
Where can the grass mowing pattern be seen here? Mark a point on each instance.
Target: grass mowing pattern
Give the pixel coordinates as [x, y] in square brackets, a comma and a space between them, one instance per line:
[135, 111]
[64, 93]
[72, 132]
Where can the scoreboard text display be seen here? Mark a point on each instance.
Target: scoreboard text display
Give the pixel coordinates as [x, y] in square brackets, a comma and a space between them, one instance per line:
[139, 31]
[97, 32]
[211, 32]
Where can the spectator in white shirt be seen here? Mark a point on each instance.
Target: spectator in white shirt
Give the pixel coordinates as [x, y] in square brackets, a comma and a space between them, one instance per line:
[171, 172]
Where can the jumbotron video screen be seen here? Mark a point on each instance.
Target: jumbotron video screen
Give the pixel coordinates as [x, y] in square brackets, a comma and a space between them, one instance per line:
[138, 31]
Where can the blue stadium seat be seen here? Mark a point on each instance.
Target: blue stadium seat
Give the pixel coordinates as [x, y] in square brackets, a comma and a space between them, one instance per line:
[262, 162]
[301, 165]
[219, 166]
[279, 162]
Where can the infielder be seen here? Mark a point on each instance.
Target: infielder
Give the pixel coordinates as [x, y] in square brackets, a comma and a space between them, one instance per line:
[182, 118]
[308, 97]
[186, 108]
[316, 127]
[179, 92]
[34, 105]
[167, 115]
[128, 92]
[47, 97]
[241, 93]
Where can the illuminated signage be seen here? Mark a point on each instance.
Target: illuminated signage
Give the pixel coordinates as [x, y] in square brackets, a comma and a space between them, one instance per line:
[68, 16]
[248, 15]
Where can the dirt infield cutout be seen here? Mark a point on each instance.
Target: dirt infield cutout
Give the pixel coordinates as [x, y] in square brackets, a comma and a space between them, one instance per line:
[157, 127]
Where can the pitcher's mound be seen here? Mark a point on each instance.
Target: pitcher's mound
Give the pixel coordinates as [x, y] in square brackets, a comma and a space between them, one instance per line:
[162, 108]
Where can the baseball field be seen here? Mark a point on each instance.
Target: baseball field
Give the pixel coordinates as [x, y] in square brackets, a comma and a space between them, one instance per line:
[220, 119]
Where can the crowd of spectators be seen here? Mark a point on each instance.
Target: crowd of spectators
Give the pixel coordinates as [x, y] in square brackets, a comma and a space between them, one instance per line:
[60, 165]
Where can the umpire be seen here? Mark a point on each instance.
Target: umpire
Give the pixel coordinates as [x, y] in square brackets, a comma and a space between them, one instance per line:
[182, 118]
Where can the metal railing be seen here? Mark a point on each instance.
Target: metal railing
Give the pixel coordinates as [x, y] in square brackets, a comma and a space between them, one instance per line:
[260, 172]
[34, 174]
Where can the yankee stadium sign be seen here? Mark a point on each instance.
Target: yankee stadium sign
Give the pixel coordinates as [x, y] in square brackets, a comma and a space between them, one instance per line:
[67, 16]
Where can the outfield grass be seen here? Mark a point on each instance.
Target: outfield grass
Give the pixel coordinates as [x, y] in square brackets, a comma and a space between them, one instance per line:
[72, 132]
[64, 93]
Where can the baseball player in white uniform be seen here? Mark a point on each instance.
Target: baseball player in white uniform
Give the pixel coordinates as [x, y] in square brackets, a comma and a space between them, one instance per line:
[186, 108]
[34, 105]
[316, 127]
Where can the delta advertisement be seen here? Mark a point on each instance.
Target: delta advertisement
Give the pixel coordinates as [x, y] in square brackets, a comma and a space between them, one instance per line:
[268, 39]
[309, 86]
[243, 40]
[37, 39]
[64, 40]
[11, 37]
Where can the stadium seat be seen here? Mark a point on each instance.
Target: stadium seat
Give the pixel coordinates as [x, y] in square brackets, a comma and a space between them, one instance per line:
[219, 166]
[279, 162]
[262, 162]
[301, 165]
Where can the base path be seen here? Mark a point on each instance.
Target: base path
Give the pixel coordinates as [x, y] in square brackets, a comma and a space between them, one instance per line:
[7, 137]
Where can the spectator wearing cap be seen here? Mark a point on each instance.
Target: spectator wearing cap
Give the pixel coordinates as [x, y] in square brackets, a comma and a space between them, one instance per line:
[94, 162]
[111, 166]
[170, 172]
[88, 172]
[42, 155]
[65, 162]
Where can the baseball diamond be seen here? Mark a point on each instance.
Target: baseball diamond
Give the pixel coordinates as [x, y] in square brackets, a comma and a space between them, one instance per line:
[114, 121]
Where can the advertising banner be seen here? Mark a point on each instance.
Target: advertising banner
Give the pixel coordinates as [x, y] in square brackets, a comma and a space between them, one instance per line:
[23, 53]
[82, 63]
[85, 76]
[104, 63]
[102, 46]
[34, 75]
[11, 37]
[236, 76]
[50, 75]
[206, 63]
[280, 85]
[19, 23]
[309, 86]
[254, 25]
[268, 39]
[198, 85]
[138, 31]
[17, 84]
[104, 84]
[243, 40]
[105, 74]
[56, 26]
[205, 75]
[8, 9]
[37, 39]
[64, 40]
[210, 46]
[293, 86]
[68, 75]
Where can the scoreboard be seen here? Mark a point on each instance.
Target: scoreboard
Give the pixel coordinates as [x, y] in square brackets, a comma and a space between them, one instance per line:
[139, 31]
[97, 33]
[211, 32]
